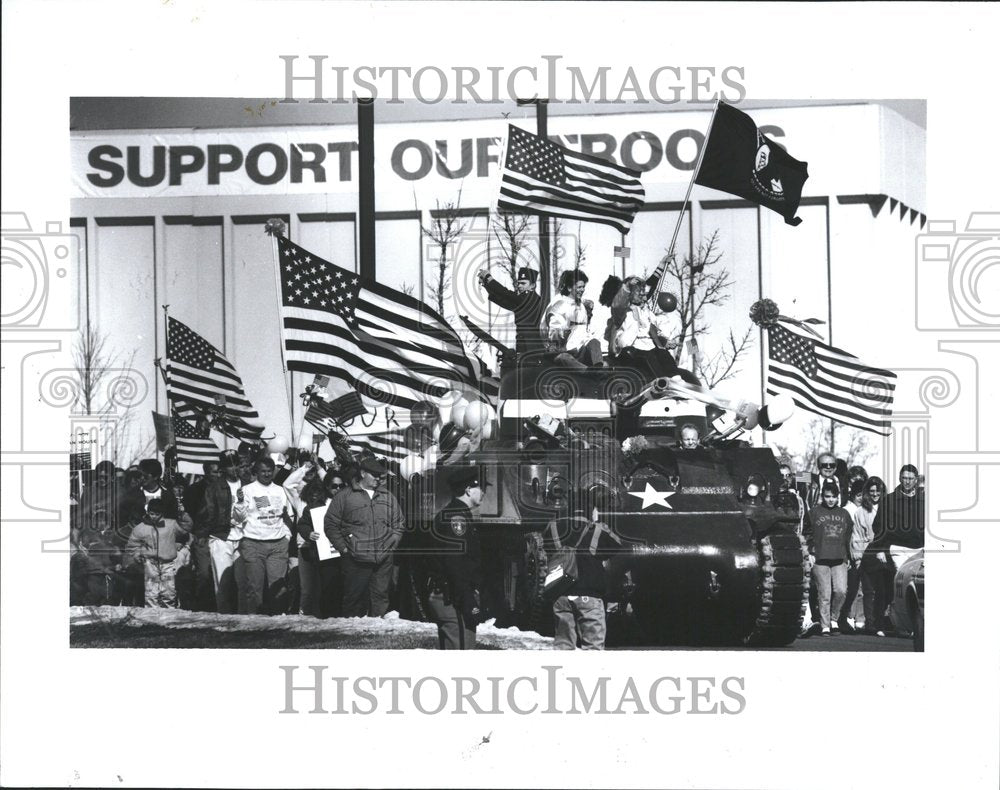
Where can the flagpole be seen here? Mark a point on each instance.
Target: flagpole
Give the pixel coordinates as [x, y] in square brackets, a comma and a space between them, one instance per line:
[687, 196]
[276, 228]
[163, 372]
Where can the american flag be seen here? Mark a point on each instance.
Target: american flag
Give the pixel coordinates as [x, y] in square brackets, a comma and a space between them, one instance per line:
[389, 347]
[326, 415]
[829, 382]
[197, 375]
[544, 178]
[193, 444]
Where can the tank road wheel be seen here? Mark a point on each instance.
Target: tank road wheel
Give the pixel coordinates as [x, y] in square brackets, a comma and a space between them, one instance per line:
[784, 589]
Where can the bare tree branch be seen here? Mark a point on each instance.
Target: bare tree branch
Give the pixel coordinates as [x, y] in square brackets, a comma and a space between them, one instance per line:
[445, 229]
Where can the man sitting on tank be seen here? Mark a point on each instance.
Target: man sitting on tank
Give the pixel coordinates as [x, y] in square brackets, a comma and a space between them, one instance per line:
[640, 336]
[566, 325]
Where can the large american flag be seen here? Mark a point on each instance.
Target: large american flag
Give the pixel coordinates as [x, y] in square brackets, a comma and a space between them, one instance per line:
[389, 347]
[193, 444]
[541, 177]
[198, 376]
[829, 382]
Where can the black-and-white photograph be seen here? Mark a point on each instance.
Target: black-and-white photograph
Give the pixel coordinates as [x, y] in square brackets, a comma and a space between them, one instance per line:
[566, 375]
[398, 387]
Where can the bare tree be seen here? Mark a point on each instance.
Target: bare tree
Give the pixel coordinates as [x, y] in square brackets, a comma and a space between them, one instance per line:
[853, 445]
[510, 231]
[92, 363]
[699, 284]
[107, 388]
[445, 229]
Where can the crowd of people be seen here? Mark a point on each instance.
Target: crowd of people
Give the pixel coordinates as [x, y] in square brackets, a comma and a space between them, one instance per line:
[255, 537]
[852, 524]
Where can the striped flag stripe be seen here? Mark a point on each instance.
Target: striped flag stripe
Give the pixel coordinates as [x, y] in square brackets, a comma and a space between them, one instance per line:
[567, 197]
[819, 396]
[849, 396]
[807, 402]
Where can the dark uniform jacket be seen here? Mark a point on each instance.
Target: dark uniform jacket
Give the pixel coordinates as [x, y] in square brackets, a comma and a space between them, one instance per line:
[365, 528]
[527, 309]
[453, 564]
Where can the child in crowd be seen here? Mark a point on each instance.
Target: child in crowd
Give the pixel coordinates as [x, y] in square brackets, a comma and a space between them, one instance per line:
[153, 545]
[828, 532]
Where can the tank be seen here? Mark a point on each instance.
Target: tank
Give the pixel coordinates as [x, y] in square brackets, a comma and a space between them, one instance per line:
[695, 559]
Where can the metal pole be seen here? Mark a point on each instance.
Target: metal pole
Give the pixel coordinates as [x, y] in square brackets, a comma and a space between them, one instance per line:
[366, 187]
[542, 117]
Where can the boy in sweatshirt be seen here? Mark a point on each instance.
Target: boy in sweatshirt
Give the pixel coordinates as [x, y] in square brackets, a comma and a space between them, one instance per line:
[828, 533]
[153, 545]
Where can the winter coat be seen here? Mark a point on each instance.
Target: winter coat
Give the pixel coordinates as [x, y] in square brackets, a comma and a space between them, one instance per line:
[365, 528]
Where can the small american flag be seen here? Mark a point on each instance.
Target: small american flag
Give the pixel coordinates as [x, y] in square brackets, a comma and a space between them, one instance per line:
[198, 374]
[326, 415]
[541, 177]
[193, 444]
[829, 382]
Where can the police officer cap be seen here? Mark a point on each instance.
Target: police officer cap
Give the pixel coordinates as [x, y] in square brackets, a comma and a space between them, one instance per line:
[527, 273]
[372, 466]
[465, 477]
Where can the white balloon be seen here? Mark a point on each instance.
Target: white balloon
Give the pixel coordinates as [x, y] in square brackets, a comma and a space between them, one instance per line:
[458, 412]
[411, 465]
[278, 444]
[448, 402]
[780, 408]
[487, 429]
[476, 415]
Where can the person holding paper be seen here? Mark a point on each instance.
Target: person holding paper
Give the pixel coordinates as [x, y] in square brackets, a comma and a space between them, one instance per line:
[320, 567]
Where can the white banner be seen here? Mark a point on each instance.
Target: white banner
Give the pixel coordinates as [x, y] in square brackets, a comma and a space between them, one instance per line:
[436, 158]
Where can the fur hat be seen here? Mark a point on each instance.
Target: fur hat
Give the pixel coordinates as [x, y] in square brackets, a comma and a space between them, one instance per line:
[527, 273]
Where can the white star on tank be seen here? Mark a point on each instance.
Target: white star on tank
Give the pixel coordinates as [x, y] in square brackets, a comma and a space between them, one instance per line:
[650, 496]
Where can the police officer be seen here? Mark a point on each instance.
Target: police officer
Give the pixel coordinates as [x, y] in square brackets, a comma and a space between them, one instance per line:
[453, 565]
[523, 302]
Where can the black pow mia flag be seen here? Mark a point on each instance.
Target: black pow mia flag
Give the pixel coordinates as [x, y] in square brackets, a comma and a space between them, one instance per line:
[741, 161]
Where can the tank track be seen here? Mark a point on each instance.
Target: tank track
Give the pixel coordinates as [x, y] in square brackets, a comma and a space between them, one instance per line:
[784, 589]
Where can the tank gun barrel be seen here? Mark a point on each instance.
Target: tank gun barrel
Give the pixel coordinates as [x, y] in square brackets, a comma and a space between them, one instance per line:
[657, 388]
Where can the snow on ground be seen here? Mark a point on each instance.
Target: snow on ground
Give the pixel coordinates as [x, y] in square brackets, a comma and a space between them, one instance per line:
[123, 626]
